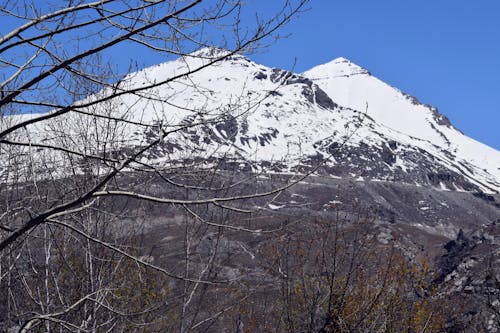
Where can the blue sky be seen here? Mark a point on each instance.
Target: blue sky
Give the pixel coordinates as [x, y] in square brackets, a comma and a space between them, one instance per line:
[446, 53]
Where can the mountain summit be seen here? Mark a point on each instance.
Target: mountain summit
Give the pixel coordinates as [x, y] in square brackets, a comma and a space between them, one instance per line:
[339, 67]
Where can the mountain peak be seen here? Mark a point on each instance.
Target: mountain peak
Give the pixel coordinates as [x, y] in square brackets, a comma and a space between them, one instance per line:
[214, 52]
[340, 60]
[209, 52]
[338, 67]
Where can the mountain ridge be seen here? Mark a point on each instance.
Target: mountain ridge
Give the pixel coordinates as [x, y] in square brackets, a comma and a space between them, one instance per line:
[269, 119]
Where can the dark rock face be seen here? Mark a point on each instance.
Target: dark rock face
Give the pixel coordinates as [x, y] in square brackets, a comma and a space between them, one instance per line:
[388, 156]
[228, 128]
[440, 118]
[316, 95]
[322, 99]
[469, 272]
[456, 250]
[279, 75]
[412, 99]
[260, 76]
[312, 92]
[484, 196]
[441, 176]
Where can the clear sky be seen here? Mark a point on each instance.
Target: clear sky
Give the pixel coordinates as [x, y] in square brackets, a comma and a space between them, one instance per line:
[444, 52]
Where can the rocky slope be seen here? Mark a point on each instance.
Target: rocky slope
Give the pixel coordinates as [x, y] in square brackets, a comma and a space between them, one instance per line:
[469, 273]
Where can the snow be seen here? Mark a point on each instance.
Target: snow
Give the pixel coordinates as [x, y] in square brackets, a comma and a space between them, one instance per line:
[275, 207]
[363, 92]
[406, 120]
[443, 187]
[286, 120]
[400, 163]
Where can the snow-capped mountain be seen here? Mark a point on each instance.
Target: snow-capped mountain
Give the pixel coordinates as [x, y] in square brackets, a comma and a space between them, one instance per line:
[420, 125]
[335, 117]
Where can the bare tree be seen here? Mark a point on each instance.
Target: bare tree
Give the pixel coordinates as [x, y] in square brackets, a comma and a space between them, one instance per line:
[75, 180]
